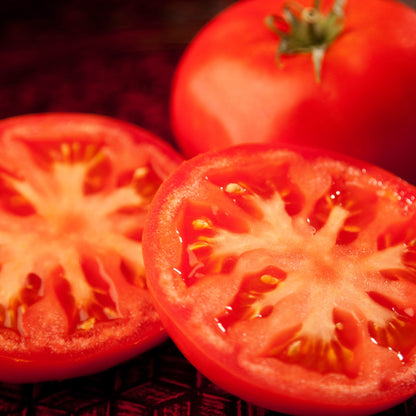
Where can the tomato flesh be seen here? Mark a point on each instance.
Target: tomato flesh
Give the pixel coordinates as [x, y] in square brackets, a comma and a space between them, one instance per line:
[288, 277]
[74, 192]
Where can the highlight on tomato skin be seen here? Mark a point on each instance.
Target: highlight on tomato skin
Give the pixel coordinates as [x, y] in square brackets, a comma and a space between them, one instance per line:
[238, 81]
[74, 193]
[287, 276]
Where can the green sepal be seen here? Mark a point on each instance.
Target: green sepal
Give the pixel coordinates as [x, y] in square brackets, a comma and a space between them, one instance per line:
[309, 31]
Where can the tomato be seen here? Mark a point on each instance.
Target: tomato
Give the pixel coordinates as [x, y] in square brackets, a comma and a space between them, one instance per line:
[230, 89]
[287, 276]
[74, 192]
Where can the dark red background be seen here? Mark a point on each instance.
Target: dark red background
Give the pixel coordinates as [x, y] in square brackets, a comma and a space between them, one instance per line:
[112, 57]
[116, 58]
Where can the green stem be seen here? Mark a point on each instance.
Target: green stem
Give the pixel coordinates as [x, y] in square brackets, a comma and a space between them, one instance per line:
[310, 31]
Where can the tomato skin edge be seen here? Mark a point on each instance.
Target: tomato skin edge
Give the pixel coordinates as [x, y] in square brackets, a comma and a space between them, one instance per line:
[40, 368]
[71, 117]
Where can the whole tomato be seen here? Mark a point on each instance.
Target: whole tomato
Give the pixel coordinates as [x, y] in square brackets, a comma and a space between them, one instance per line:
[339, 75]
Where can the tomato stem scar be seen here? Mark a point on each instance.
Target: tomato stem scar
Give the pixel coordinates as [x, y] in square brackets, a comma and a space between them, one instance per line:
[307, 30]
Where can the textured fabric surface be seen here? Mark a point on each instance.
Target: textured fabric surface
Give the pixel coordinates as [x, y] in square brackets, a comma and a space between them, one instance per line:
[115, 58]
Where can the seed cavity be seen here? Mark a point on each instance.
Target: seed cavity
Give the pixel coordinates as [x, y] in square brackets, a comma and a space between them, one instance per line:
[198, 245]
[397, 334]
[315, 353]
[141, 172]
[202, 224]
[234, 188]
[339, 326]
[269, 280]
[146, 182]
[131, 273]
[251, 300]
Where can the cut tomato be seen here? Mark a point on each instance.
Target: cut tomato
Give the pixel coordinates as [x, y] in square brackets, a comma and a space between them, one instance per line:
[74, 192]
[288, 277]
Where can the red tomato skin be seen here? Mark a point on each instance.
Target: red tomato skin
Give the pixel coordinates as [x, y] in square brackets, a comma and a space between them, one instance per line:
[45, 120]
[39, 367]
[160, 252]
[45, 363]
[228, 88]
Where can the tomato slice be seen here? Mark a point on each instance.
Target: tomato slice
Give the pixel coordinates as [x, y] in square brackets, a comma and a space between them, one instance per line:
[288, 277]
[74, 193]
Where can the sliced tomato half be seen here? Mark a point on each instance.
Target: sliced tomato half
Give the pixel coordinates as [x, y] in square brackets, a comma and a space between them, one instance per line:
[74, 193]
[288, 277]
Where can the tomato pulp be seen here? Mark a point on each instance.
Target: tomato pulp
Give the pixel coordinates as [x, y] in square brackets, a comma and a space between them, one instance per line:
[288, 277]
[74, 192]
[229, 88]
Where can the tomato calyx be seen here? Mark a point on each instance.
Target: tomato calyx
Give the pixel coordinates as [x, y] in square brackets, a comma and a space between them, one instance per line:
[307, 30]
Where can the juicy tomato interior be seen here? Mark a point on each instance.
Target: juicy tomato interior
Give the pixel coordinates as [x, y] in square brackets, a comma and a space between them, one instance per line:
[74, 192]
[289, 278]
